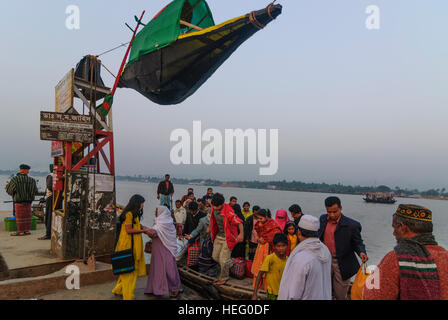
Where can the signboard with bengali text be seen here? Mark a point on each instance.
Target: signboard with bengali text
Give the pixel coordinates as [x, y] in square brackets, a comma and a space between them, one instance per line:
[65, 127]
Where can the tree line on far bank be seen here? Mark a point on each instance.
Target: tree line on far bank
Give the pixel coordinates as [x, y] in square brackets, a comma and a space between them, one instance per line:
[297, 186]
[281, 185]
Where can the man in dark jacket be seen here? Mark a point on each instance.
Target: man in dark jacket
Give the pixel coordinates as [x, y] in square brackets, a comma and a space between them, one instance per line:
[193, 217]
[165, 192]
[296, 213]
[342, 236]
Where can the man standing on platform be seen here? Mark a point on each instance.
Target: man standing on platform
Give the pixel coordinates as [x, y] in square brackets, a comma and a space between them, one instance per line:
[165, 192]
[417, 268]
[23, 190]
[342, 236]
[224, 227]
[48, 205]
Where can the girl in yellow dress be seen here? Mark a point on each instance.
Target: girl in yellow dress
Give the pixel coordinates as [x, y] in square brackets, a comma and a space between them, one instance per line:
[130, 227]
[291, 233]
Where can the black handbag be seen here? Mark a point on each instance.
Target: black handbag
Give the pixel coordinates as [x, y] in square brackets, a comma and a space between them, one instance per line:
[123, 261]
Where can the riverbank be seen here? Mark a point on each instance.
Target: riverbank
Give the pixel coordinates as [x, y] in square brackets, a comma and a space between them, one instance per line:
[36, 273]
[26, 251]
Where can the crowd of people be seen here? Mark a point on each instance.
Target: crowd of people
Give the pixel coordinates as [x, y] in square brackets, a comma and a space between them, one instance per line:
[292, 256]
[292, 259]
[265, 242]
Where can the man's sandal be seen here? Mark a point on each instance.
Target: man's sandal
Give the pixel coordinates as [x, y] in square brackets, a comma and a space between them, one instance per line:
[18, 234]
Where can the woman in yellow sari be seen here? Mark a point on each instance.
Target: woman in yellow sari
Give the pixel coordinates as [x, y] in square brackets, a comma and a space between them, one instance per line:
[130, 227]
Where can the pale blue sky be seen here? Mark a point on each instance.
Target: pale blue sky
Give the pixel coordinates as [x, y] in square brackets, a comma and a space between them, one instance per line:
[352, 105]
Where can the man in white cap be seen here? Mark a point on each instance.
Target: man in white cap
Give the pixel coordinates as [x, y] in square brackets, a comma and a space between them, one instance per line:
[307, 274]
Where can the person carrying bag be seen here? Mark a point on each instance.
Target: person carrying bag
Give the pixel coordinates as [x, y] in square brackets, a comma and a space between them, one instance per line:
[359, 283]
[128, 261]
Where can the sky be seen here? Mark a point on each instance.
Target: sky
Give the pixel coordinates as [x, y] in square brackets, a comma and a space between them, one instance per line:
[352, 105]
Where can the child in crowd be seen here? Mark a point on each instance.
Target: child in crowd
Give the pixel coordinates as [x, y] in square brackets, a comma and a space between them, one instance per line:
[272, 268]
[246, 211]
[250, 235]
[266, 229]
[291, 233]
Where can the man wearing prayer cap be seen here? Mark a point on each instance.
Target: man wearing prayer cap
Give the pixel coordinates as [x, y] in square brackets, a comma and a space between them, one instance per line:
[307, 274]
[23, 190]
[417, 268]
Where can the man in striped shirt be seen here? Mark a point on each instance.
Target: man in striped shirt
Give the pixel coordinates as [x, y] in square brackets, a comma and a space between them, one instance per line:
[417, 268]
[23, 189]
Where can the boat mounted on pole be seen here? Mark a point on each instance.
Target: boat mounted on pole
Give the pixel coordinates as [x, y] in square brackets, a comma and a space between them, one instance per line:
[181, 47]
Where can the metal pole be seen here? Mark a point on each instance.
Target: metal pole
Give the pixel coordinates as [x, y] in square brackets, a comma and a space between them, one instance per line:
[126, 55]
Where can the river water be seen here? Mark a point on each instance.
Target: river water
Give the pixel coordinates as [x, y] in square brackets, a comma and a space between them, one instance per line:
[376, 219]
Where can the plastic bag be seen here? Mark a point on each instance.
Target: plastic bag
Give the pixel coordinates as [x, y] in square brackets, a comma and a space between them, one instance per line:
[359, 283]
[182, 246]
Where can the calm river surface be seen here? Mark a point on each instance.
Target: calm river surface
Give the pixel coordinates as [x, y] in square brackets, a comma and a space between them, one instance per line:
[375, 219]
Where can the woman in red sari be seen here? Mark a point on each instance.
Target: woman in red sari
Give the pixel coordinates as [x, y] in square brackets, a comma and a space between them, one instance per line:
[266, 229]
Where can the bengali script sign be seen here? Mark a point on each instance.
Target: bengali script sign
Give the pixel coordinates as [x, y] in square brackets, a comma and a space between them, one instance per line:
[65, 127]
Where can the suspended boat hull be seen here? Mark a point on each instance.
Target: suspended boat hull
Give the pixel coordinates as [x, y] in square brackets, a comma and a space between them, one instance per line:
[172, 74]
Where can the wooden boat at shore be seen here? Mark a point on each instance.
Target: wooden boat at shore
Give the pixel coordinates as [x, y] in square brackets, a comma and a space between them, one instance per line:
[234, 289]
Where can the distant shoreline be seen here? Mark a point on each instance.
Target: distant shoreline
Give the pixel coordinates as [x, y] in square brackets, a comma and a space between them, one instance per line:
[298, 186]
[274, 186]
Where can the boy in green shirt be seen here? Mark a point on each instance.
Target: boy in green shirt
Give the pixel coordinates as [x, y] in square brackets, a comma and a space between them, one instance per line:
[272, 268]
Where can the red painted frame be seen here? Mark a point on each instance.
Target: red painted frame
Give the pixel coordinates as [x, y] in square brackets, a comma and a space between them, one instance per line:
[106, 138]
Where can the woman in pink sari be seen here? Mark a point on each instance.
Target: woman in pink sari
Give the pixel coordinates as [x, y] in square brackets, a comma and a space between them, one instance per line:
[163, 278]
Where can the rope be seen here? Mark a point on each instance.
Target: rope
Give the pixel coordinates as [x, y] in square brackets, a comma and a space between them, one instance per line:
[121, 45]
[269, 10]
[108, 70]
[255, 22]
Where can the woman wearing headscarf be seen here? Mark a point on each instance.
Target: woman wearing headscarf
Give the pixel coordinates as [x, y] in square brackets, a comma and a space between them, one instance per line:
[163, 278]
[281, 217]
[266, 229]
[131, 228]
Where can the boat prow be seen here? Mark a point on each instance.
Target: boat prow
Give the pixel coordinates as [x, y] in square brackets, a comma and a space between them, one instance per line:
[233, 290]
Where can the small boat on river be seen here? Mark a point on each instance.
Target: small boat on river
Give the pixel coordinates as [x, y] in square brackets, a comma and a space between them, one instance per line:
[380, 198]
